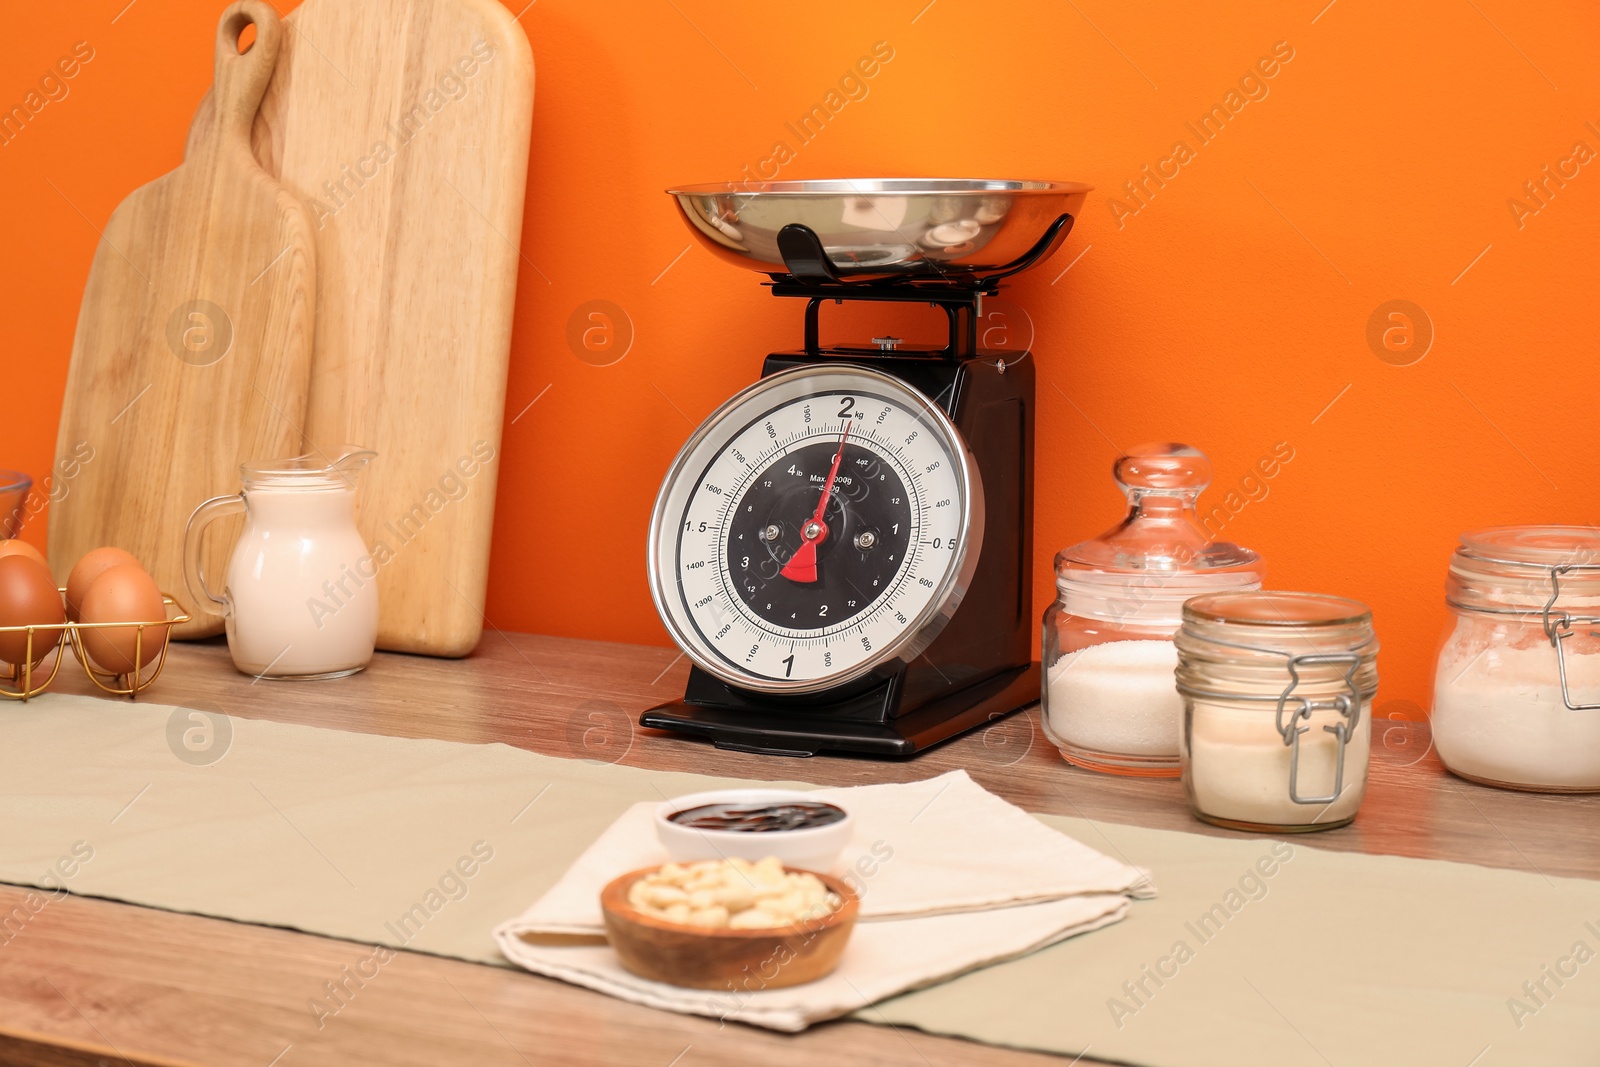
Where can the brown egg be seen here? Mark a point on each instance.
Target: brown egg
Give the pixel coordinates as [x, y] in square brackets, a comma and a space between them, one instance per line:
[13, 547]
[28, 597]
[86, 570]
[123, 593]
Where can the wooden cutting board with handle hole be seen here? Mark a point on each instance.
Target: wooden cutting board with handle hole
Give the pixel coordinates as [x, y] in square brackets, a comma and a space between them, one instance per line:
[193, 346]
[404, 126]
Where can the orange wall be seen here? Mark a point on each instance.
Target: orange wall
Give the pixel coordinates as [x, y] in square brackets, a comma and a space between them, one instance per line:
[1229, 311]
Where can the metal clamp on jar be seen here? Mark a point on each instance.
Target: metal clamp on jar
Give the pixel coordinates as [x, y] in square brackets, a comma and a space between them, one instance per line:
[1275, 689]
[1516, 699]
[1109, 702]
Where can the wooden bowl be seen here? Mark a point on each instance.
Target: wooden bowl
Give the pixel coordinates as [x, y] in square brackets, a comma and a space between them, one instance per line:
[745, 960]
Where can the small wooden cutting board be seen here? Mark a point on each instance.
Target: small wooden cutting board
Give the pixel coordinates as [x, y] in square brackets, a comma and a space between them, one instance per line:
[404, 126]
[193, 347]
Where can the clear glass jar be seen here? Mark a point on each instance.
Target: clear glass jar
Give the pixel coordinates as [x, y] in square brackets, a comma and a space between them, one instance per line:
[1108, 701]
[1516, 696]
[1277, 697]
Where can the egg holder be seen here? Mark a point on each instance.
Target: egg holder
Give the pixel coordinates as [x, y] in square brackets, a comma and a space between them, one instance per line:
[21, 684]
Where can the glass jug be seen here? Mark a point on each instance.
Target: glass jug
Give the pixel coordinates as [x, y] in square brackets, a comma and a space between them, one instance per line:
[301, 597]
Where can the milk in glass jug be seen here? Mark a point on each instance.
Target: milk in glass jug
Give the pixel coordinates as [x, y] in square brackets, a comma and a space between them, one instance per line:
[301, 598]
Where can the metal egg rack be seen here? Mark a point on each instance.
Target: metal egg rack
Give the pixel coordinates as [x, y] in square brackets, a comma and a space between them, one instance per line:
[23, 680]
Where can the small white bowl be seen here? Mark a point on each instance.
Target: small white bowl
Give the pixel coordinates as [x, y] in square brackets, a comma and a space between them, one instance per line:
[815, 848]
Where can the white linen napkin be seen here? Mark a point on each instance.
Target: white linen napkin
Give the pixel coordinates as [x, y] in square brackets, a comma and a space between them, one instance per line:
[951, 878]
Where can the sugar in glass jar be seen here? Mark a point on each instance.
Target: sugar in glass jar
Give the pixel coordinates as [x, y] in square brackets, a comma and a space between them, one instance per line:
[1109, 701]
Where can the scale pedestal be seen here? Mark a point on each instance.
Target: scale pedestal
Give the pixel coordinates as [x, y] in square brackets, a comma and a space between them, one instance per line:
[902, 732]
[980, 666]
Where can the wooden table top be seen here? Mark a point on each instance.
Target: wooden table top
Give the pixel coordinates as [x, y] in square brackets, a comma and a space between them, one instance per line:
[91, 981]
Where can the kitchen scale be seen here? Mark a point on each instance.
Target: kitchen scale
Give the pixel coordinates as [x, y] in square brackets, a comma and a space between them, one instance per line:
[843, 549]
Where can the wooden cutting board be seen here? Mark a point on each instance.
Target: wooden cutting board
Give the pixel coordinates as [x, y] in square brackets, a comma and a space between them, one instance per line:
[193, 347]
[404, 126]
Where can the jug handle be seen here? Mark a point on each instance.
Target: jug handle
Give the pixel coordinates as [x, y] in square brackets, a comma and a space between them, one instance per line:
[215, 508]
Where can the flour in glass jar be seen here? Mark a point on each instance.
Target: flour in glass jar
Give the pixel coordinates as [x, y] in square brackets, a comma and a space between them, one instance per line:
[1498, 715]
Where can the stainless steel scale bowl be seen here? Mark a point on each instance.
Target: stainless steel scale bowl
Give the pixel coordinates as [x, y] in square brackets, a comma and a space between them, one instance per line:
[881, 227]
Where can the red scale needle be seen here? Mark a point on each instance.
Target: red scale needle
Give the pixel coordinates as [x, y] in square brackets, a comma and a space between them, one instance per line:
[802, 566]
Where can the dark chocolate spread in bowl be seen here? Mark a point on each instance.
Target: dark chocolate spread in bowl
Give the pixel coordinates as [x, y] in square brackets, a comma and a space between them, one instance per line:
[758, 818]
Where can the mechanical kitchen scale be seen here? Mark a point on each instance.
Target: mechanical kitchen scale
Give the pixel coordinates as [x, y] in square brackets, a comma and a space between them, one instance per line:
[843, 549]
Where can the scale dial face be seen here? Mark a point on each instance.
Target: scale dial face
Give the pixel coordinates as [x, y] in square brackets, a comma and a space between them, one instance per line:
[823, 522]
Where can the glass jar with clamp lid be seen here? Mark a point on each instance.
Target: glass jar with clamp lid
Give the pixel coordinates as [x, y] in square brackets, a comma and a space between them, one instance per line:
[1277, 690]
[1516, 698]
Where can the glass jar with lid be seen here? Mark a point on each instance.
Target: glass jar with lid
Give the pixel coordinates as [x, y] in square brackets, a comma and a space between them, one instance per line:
[1277, 695]
[1108, 700]
[1516, 696]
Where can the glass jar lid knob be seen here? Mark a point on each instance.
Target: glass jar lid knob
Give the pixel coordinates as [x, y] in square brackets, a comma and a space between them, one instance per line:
[1162, 532]
[1163, 469]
